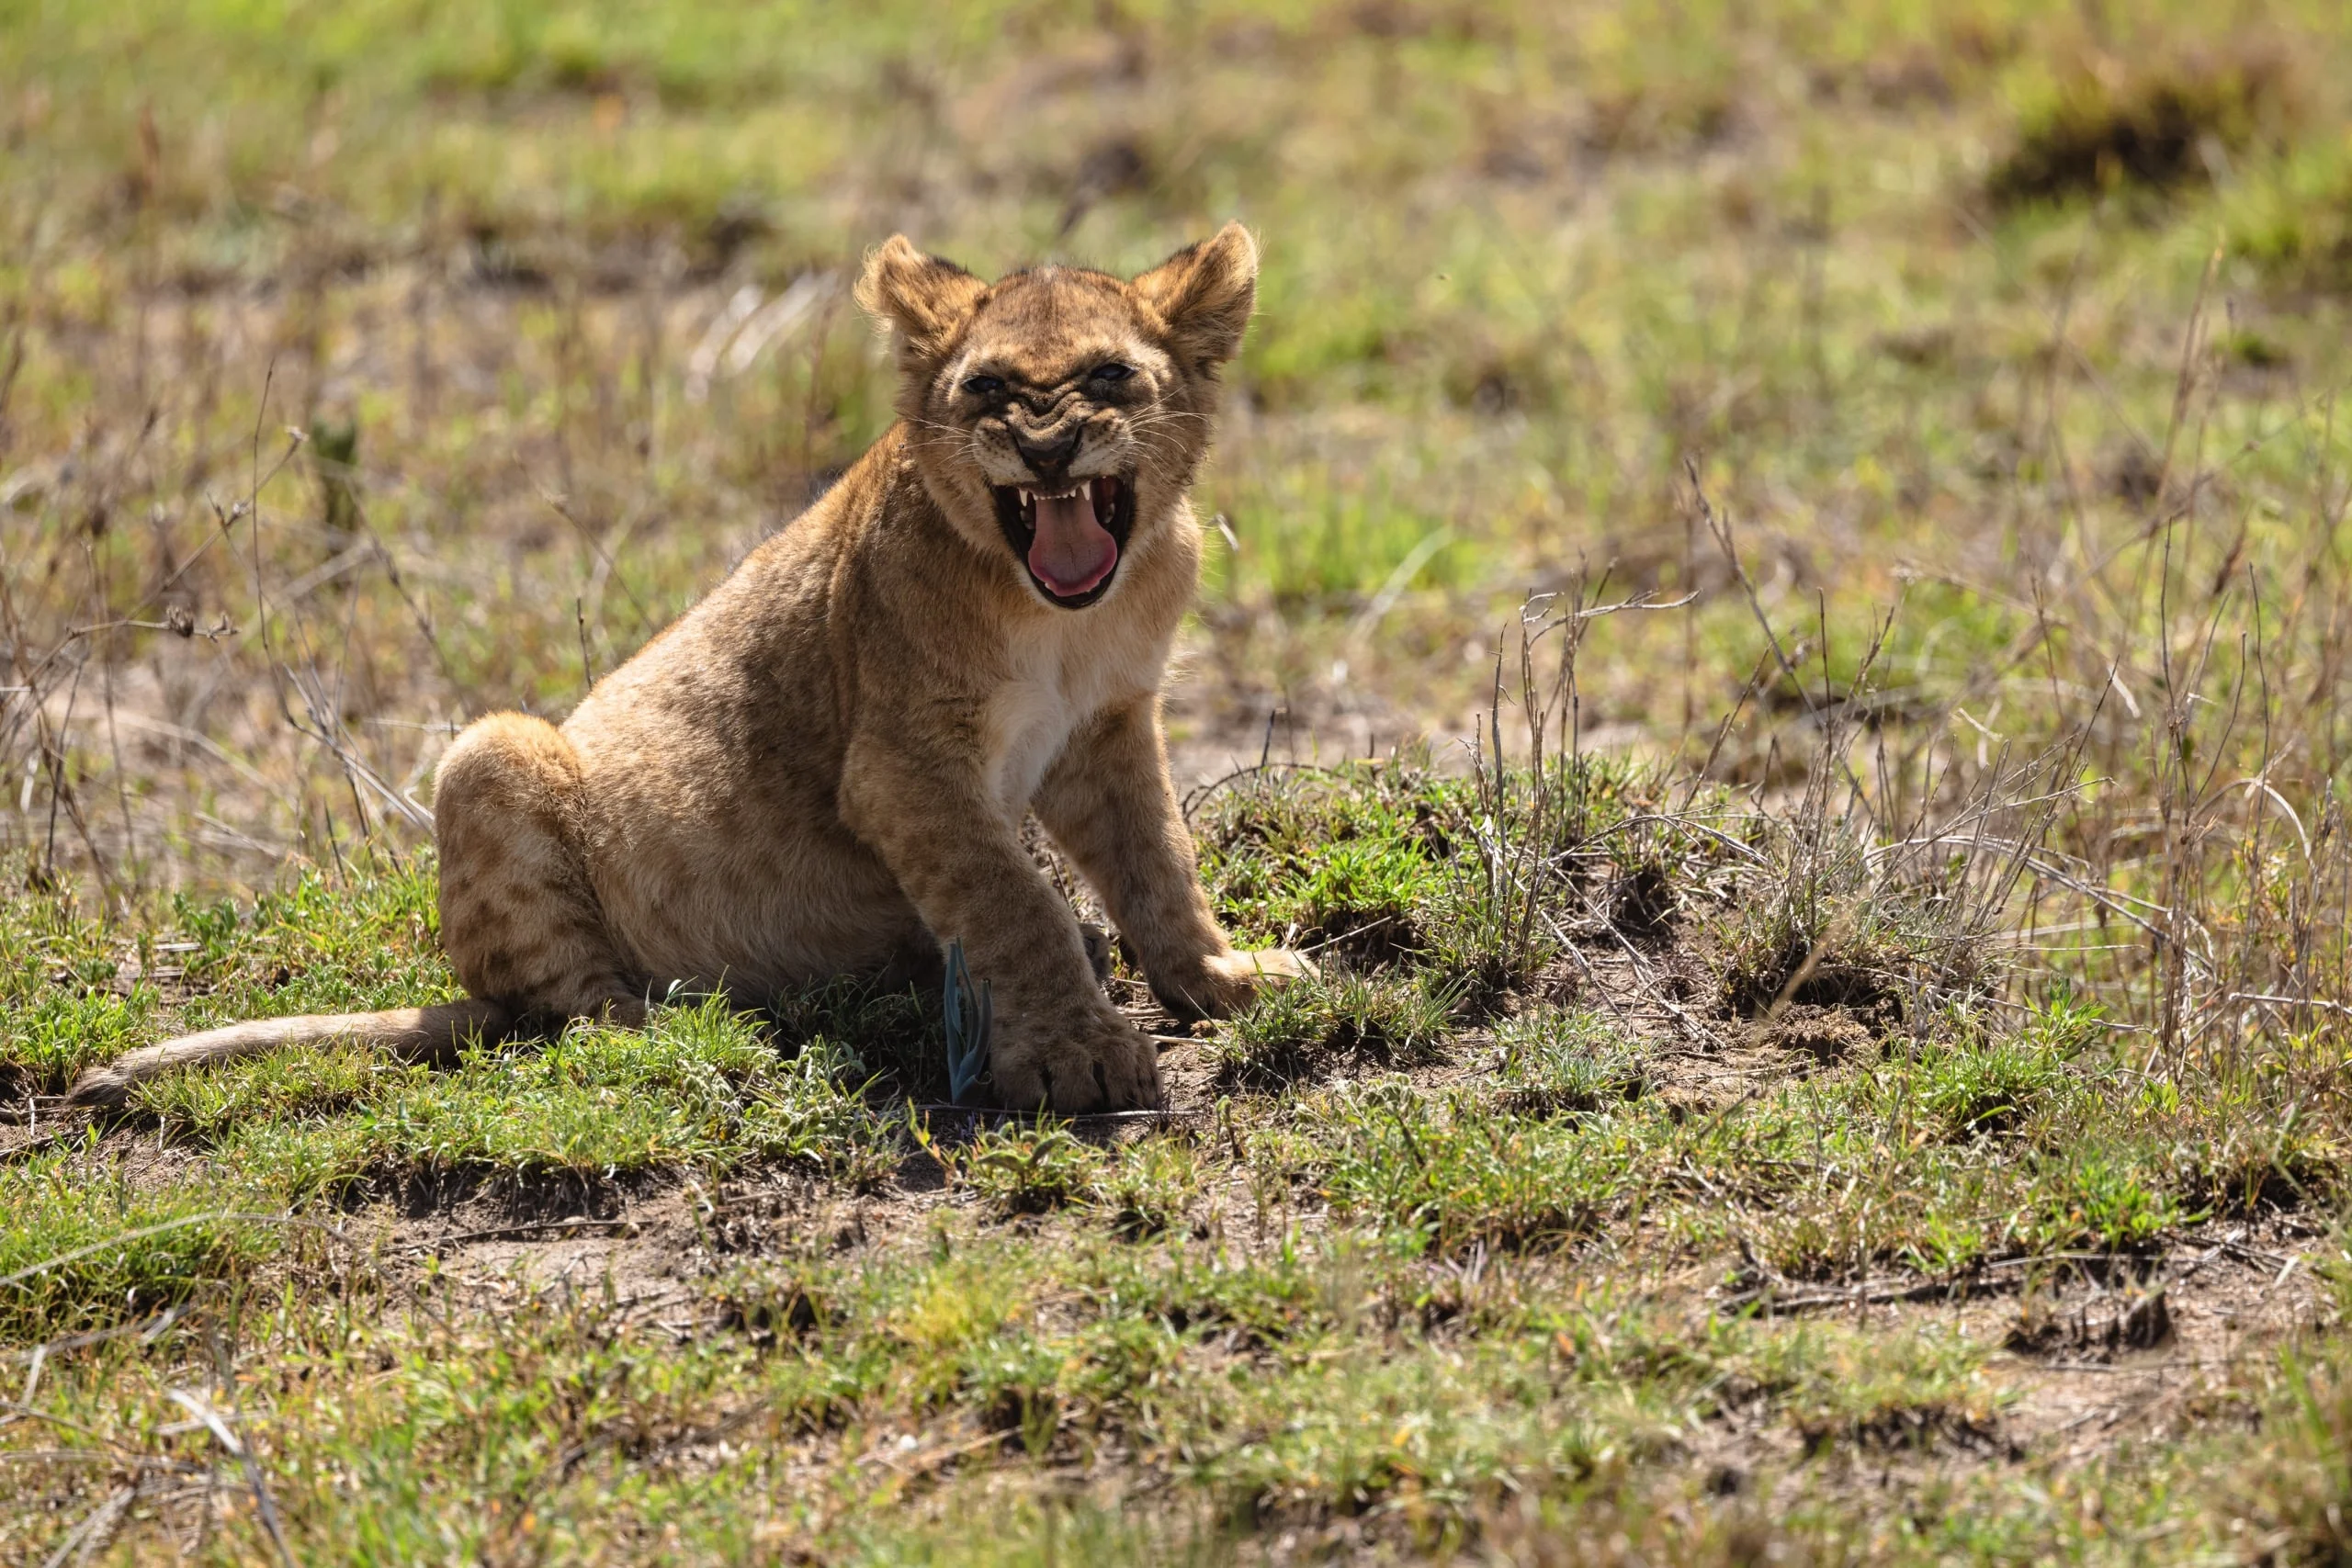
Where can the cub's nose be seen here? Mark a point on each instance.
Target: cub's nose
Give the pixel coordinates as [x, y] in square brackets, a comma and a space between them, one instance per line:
[1048, 459]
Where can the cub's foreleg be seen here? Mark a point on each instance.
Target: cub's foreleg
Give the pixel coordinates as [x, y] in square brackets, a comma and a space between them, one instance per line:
[1108, 802]
[1058, 1041]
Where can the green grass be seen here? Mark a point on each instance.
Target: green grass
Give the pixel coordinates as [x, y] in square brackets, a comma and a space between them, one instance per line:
[1025, 1170]
[1933, 931]
[1305, 1029]
[1534, 1283]
[87, 1248]
[702, 1087]
[1556, 1063]
[1357, 1390]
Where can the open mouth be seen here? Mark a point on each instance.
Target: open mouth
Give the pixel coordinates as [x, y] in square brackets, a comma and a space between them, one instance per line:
[1069, 539]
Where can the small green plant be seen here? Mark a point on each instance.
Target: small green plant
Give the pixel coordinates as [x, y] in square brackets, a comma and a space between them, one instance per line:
[1299, 1030]
[1823, 917]
[1341, 859]
[2292, 218]
[1555, 1061]
[1811, 932]
[1015, 1382]
[1455, 1173]
[1151, 1183]
[77, 1257]
[1980, 1090]
[2299, 1483]
[771, 1307]
[1030, 1168]
[206, 1105]
[1361, 896]
[1987, 1082]
[1475, 944]
[813, 1108]
[49, 1042]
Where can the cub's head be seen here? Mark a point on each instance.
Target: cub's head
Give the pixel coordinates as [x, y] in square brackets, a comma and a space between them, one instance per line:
[1057, 415]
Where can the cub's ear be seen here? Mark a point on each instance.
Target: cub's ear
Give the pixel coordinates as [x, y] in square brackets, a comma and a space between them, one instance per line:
[922, 298]
[1205, 293]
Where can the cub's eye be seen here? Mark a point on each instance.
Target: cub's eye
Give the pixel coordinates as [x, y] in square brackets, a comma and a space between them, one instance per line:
[984, 385]
[1111, 372]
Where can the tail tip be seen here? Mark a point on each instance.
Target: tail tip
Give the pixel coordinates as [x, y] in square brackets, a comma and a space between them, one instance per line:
[100, 1088]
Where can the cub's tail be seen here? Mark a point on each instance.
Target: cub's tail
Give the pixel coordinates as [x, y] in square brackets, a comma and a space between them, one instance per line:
[414, 1034]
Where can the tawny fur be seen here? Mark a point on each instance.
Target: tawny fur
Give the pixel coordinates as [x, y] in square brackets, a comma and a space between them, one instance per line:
[824, 767]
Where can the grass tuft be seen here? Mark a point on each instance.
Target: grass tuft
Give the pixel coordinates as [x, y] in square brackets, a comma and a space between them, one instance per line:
[84, 1251]
[2297, 1485]
[1304, 1030]
[2154, 122]
[1984, 1087]
[1556, 1063]
[1024, 1170]
[1151, 1184]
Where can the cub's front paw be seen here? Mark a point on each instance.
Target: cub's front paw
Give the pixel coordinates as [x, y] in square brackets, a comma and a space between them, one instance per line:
[1227, 982]
[1075, 1066]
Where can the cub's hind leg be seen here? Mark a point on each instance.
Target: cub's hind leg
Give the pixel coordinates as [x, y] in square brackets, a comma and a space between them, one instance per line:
[519, 916]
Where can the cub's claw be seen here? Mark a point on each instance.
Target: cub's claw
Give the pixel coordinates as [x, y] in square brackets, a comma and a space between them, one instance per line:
[1077, 1067]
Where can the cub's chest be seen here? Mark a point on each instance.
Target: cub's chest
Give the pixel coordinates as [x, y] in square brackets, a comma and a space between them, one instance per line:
[1054, 684]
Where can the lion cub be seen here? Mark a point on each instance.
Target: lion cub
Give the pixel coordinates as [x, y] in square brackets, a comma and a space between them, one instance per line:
[824, 768]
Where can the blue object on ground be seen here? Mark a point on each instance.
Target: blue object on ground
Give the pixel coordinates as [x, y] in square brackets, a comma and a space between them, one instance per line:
[967, 1037]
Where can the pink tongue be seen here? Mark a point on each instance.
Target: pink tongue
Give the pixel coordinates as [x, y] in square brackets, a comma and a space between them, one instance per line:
[1071, 551]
